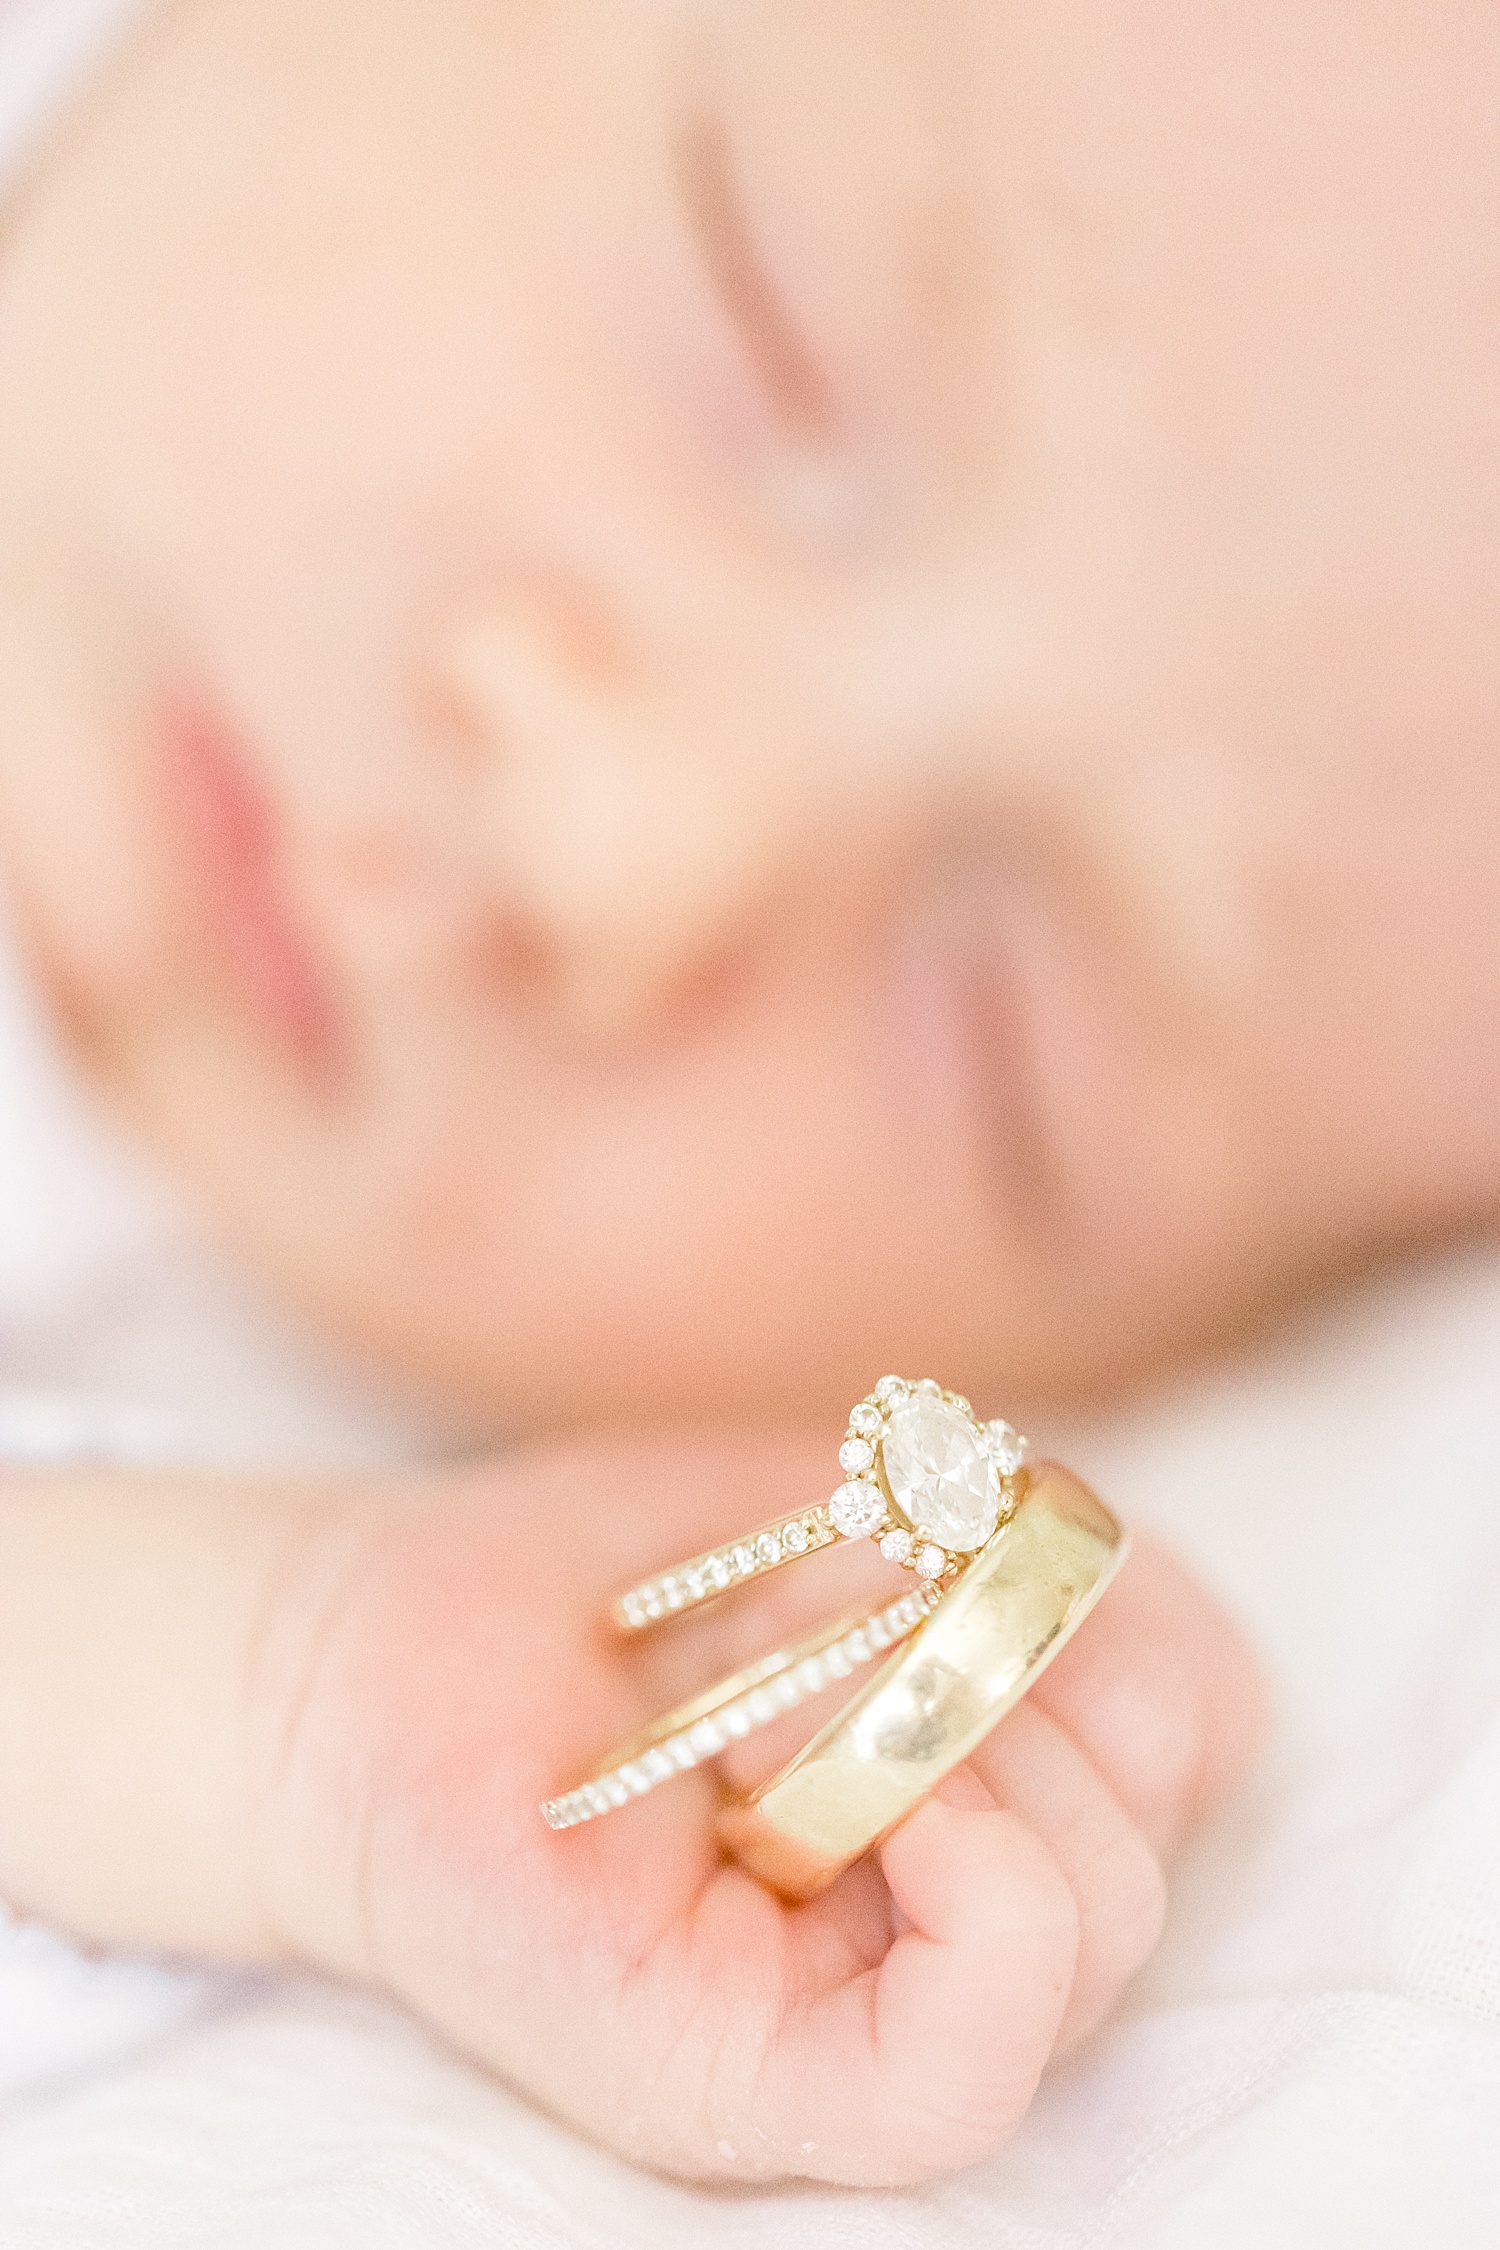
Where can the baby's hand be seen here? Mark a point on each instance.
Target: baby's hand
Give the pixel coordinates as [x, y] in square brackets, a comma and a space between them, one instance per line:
[433, 1669]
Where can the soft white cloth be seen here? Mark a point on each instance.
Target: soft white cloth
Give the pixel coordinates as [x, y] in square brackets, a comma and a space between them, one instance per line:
[1312, 2059]
[48, 48]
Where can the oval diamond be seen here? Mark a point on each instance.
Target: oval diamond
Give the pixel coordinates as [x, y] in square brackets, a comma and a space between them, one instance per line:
[939, 1474]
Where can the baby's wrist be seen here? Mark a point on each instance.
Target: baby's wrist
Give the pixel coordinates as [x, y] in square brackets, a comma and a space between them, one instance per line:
[132, 1612]
[309, 1796]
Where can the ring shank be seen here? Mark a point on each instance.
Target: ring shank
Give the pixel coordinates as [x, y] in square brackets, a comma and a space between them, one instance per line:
[1012, 1610]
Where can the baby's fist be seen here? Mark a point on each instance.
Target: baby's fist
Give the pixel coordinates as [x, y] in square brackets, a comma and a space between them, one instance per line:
[437, 1663]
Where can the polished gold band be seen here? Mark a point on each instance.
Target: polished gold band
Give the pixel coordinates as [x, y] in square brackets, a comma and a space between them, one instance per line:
[975, 1656]
[971, 1653]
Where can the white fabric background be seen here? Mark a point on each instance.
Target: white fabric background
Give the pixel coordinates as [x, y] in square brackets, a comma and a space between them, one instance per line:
[1313, 2058]
[47, 49]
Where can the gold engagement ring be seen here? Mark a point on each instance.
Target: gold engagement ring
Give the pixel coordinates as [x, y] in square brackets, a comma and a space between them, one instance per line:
[921, 1474]
[1008, 1559]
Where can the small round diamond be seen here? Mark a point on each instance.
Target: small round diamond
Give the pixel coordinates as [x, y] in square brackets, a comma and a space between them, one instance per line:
[767, 1549]
[867, 1421]
[857, 1510]
[931, 1562]
[856, 1453]
[889, 1387]
[794, 1539]
[743, 1559]
[896, 1546]
[929, 1388]
[1005, 1447]
[718, 1572]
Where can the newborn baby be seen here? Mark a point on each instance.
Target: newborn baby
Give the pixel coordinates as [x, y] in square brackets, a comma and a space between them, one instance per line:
[693, 702]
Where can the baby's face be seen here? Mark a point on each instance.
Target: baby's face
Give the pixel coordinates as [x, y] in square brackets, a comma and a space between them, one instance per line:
[695, 698]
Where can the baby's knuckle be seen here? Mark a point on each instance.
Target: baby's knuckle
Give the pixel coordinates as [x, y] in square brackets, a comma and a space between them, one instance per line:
[1134, 1904]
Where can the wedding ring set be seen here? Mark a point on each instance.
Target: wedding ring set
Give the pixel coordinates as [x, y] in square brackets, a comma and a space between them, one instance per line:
[1008, 1559]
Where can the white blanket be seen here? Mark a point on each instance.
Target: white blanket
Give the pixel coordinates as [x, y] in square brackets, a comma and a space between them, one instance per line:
[1312, 2059]
[48, 50]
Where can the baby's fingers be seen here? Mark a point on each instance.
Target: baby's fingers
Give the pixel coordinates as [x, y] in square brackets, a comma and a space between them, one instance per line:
[1161, 1694]
[1032, 1767]
[929, 2061]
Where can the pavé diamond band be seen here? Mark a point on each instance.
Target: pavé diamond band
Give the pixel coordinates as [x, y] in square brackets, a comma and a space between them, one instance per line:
[921, 1474]
[737, 1706]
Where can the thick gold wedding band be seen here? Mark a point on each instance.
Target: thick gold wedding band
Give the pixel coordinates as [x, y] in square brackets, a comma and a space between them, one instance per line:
[982, 1646]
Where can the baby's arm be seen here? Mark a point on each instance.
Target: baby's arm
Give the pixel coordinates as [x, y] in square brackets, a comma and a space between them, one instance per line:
[273, 1722]
[132, 1610]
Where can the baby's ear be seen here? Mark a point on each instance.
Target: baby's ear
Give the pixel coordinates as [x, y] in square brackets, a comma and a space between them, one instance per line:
[618, 845]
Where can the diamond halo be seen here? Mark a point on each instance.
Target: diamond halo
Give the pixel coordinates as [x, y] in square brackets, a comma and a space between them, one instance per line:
[924, 1476]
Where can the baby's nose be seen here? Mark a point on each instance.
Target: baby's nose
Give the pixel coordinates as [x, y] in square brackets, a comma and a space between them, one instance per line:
[621, 833]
